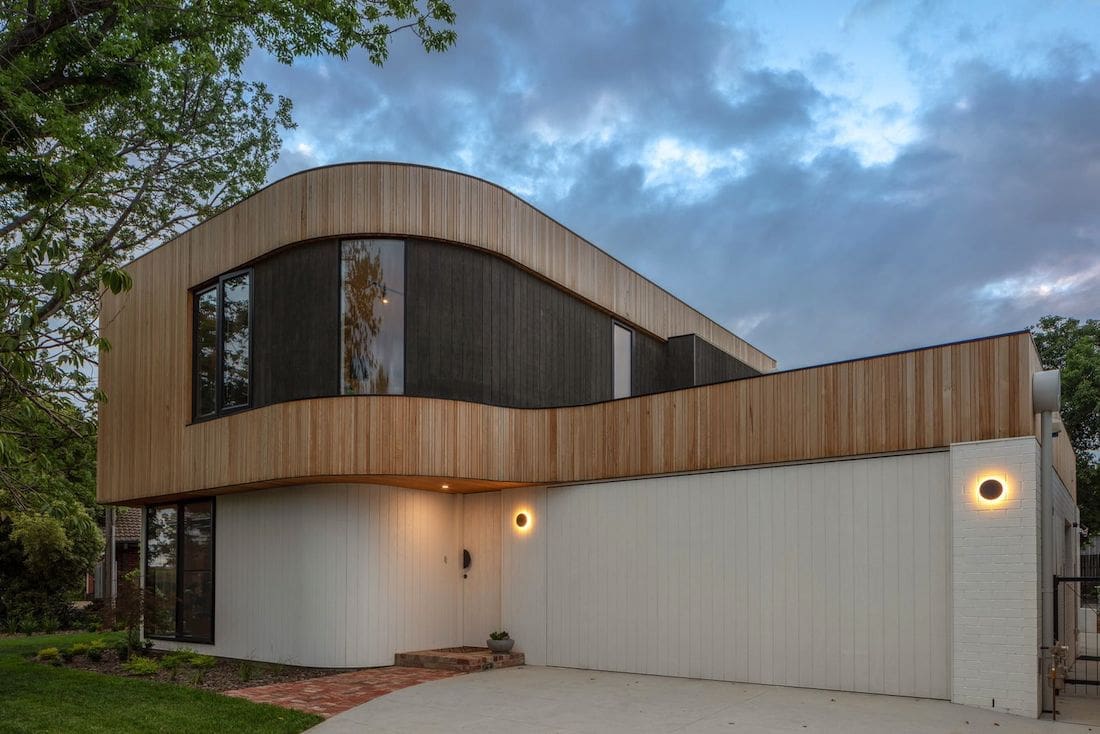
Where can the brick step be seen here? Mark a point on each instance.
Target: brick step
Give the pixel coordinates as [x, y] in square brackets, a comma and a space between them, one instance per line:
[459, 659]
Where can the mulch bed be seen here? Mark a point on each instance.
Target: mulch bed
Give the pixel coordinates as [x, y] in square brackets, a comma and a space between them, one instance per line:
[226, 675]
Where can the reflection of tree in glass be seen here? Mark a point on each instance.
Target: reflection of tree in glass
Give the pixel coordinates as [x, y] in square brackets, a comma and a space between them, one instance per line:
[235, 342]
[195, 604]
[363, 279]
[160, 556]
[206, 337]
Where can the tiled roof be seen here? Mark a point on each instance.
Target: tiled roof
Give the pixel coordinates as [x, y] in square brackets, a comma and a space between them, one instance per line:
[127, 524]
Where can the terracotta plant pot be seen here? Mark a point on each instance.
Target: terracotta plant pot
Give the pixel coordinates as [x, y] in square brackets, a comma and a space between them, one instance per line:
[500, 645]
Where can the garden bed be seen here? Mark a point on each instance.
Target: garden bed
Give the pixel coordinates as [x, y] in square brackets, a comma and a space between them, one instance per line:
[211, 674]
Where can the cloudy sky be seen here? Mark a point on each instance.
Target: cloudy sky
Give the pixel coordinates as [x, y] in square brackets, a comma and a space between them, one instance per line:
[826, 179]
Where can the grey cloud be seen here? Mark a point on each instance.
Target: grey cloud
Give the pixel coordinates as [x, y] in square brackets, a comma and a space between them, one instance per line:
[821, 259]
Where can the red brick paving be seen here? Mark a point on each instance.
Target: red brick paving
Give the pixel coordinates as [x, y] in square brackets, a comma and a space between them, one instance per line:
[334, 694]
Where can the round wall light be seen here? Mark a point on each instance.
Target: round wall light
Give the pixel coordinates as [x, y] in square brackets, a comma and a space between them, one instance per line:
[521, 520]
[991, 489]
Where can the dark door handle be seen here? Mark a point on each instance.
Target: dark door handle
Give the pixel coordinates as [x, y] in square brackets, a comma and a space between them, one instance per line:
[465, 559]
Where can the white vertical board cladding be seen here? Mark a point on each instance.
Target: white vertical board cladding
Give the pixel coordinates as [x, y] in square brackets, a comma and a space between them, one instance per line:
[831, 575]
[524, 571]
[335, 575]
[995, 576]
[481, 536]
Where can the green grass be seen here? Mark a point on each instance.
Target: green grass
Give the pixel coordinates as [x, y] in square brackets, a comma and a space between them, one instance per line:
[40, 698]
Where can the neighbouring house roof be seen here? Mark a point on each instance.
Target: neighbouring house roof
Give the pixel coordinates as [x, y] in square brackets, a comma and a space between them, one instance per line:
[127, 524]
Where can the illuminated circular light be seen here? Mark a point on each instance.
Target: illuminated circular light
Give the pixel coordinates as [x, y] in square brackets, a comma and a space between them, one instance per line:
[446, 486]
[991, 489]
[521, 520]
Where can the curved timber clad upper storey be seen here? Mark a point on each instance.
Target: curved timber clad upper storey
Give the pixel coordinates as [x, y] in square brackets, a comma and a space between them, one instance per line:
[399, 324]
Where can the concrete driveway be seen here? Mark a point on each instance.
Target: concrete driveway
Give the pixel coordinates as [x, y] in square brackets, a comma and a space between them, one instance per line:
[536, 699]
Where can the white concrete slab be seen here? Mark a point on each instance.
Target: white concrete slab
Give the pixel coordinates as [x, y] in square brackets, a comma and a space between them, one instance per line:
[568, 701]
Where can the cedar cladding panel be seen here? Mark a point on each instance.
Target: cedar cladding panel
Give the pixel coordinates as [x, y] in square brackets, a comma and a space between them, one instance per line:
[922, 399]
[391, 199]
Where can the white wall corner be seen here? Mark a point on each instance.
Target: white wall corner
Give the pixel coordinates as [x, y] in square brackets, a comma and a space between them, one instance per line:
[996, 601]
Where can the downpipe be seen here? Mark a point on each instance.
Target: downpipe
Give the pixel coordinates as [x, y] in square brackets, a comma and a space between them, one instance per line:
[1046, 391]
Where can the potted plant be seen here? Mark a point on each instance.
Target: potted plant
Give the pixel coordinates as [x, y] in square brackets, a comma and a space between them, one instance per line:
[499, 641]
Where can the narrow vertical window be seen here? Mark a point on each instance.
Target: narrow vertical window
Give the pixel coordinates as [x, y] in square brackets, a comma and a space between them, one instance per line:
[236, 341]
[206, 352]
[372, 317]
[197, 572]
[223, 345]
[623, 340]
[179, 571]
[160, 571]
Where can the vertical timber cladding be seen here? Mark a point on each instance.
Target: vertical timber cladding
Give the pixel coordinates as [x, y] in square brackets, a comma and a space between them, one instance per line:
[833, 575]
[482, 330]
[296, 325]
[478, 329]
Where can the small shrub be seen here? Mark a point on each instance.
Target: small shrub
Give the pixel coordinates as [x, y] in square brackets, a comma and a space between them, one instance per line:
[201, 664]
[78, 649]
[28, 626]
[177, 658]
[50, 625]
[245, 671]
[141, 666]
[122, 649]
[499, 635]
[49, 655]
[95, 650]
[67, 654]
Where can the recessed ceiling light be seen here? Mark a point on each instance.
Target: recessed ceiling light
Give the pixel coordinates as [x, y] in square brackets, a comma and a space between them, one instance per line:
[446, 486]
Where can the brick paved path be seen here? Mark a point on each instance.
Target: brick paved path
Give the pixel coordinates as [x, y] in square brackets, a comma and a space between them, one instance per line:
[337, 693]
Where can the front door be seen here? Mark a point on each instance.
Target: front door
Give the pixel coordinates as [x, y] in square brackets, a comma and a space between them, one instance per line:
[481, 580]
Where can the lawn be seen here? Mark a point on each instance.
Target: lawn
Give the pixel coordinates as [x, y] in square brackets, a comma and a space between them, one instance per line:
[40, 698]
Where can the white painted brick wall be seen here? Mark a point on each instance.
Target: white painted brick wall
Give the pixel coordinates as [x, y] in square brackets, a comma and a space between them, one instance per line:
[995, 577]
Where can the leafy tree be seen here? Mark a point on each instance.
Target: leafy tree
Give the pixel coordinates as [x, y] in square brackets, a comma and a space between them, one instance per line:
[123, 122]
[48, 532]
[1074, 347]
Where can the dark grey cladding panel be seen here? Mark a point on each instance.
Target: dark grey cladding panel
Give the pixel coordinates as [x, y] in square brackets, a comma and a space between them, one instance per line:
[477, 328]
[681, 361]
[649, 365]
[481, 329]
[296, 324]
[714, 365]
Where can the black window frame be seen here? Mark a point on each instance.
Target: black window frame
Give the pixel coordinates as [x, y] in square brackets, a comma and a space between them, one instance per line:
[179, 636]
[218, 285]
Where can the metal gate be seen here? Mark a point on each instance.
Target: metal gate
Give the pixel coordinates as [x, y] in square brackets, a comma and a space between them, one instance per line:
[1076, 609]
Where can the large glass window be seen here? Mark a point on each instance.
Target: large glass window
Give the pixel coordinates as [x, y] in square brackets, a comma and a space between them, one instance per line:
[179, 571]
[235, 341]
[372, 316]
[223, 345]
[160, 570]
[622, 344]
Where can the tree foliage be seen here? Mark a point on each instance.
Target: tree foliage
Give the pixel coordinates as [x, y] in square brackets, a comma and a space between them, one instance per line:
[49, 535]
[1073, 347]
[122, 123]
